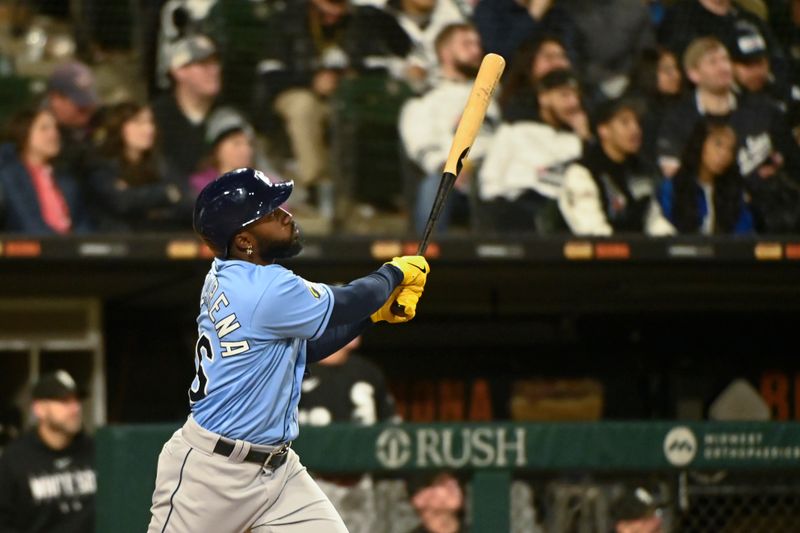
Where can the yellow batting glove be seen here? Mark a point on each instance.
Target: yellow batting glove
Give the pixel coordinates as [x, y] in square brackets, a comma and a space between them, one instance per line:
[405, 296]
[415, 269]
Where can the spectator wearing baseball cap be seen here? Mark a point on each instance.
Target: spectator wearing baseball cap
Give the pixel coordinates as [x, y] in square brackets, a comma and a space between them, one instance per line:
[182, 114]
[752, 69]
[722, 19]
[611, 189]
[72, 93]
[47, 476]
[231, 139]
[636, 511]
[759, 125]
[72, 98]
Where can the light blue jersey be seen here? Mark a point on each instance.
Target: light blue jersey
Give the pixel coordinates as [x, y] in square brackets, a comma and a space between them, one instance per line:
[253, 327]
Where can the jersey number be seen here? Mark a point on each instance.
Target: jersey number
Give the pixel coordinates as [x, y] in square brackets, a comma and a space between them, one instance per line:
[202, 352]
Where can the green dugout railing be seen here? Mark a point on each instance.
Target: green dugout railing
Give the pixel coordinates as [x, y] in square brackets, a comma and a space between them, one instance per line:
[127, 456]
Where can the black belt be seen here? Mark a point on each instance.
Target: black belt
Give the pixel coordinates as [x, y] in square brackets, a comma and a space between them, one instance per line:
[272, 459]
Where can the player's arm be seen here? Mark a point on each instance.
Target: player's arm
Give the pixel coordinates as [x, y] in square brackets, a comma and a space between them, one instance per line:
[292, 307]
[368, 300]
[352, 306]
[361, 297]
[334, 339]
[368, 296]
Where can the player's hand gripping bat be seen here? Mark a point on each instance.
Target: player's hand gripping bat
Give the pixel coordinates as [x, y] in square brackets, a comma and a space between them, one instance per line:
[485, 83]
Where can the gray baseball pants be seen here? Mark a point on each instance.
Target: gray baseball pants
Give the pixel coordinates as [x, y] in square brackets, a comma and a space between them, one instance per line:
[198, 491]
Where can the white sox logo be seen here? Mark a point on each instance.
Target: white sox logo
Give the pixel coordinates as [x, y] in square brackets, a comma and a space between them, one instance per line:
[393, 448]
[680, 446]
[450, 447]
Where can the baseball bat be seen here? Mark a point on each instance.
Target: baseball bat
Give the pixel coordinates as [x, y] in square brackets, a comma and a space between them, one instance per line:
[471, 119]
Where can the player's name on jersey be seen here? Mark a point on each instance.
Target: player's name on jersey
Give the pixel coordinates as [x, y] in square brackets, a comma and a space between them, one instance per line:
[225, 324]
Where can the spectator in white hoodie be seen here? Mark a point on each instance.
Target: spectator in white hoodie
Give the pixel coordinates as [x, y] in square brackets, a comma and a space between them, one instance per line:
[522, 175]
[427, 123]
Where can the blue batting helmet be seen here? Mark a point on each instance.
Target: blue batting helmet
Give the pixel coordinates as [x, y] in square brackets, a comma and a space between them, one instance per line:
[234, 200]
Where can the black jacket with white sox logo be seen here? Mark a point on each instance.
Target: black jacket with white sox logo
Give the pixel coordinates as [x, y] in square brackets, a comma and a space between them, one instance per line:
[760, 127]
[44, 490]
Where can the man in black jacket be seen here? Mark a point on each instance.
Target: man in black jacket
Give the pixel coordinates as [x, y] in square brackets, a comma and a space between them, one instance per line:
[685, 21]
[181, 114]
[760, 127]
[47, 476]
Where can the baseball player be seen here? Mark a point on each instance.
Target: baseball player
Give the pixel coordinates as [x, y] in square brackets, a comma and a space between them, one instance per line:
[230, 466]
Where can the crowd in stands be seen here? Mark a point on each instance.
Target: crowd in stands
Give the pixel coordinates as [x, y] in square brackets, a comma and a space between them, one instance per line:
[614, 116]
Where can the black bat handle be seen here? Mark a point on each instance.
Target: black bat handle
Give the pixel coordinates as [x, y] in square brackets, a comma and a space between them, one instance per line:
[396, 308]
[447, 182]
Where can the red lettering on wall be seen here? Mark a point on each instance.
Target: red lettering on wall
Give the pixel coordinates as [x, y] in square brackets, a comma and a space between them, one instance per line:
[423, 401]
[480, 406]
[451, 401]
[775, 391]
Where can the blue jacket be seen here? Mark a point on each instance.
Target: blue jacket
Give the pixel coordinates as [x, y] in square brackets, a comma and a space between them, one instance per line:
[666, 198]
[20, 212]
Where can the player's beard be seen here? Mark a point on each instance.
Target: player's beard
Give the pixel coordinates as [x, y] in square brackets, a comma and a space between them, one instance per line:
[283, 248]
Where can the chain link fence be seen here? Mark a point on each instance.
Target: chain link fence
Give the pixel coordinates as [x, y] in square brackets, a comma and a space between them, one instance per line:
[684, 502]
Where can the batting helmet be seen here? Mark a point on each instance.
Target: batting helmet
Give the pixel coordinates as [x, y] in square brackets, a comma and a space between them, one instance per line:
[234, 200]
